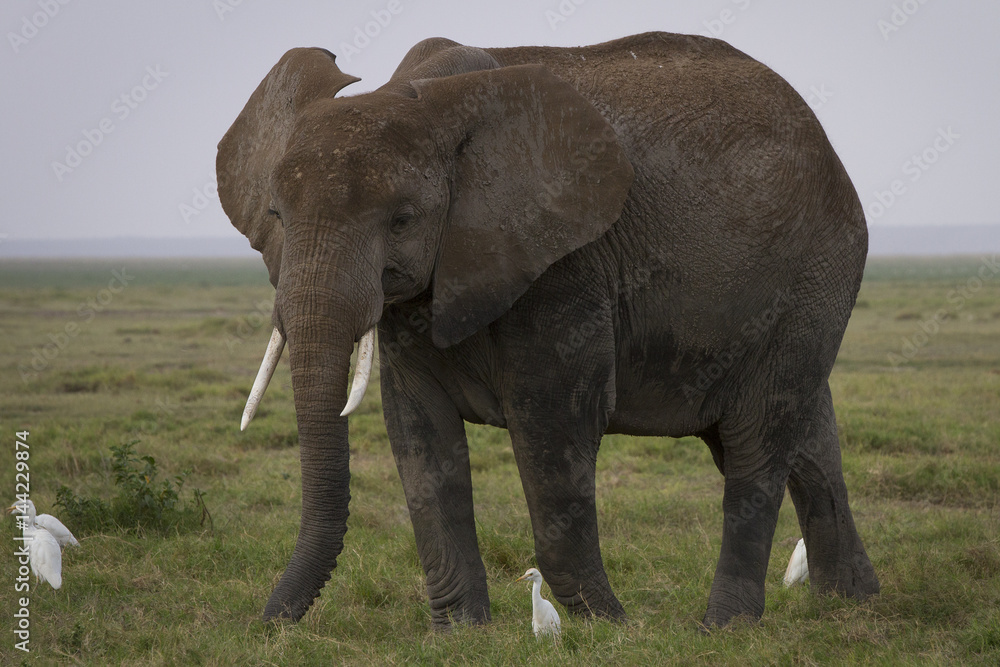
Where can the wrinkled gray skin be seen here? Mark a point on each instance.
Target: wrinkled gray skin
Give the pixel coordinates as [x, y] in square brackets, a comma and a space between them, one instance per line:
[650, 236]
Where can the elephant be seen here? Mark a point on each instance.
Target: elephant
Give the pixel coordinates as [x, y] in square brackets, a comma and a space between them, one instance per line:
[649, 236]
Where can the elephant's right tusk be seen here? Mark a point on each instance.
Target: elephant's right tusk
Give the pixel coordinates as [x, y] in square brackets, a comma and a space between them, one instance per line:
[267, 366]
[366, 354]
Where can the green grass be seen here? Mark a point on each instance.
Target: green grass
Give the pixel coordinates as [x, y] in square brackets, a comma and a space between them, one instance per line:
[168, 359]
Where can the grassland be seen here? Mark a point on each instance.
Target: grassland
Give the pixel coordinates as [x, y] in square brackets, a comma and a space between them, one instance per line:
[164, 352]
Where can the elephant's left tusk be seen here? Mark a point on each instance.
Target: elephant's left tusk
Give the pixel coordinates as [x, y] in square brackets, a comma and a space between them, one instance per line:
[366, 354]
[267, 366]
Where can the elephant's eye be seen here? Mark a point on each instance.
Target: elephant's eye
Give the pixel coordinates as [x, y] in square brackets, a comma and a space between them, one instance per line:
[402, 220]
[271, 211]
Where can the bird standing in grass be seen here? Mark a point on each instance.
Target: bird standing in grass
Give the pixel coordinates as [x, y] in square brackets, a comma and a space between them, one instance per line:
[798, 567]
[44, 550]
[544, 618]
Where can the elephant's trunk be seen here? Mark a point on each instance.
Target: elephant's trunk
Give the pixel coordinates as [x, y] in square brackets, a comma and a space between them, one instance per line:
[320, 330]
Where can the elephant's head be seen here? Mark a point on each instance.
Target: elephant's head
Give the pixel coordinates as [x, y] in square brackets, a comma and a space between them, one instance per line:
[467, 184]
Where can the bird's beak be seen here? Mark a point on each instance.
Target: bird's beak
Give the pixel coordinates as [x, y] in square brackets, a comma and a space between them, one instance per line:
[522, 577]
[11, 509]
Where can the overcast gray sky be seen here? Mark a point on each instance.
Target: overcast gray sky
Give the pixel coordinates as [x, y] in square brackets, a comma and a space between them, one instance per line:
[112, 110]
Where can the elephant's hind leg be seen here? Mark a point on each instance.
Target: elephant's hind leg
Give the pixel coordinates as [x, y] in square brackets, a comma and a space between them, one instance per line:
[837, 558]
[755, 468]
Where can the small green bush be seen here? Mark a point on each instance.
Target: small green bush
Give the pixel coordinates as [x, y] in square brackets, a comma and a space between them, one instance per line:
[142, 503]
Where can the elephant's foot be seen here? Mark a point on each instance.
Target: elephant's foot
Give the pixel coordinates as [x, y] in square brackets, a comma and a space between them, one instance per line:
[838, 563]
[852, 577]
[587, 596]
[733, 598]
[454, 608]
[591, 606]
[444, 621]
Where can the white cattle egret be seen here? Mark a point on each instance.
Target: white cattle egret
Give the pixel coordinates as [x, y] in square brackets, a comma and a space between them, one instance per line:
[544, 618]
[44, 552]
[798, 567]
[55, 527]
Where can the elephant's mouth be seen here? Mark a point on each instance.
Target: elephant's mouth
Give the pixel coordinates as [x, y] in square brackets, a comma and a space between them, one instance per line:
[399, 285]
[362, 374]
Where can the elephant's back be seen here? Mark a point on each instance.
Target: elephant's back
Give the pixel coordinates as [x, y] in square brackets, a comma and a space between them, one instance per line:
[715, 126]
[624, 51]
[655, 78]
[729, 160]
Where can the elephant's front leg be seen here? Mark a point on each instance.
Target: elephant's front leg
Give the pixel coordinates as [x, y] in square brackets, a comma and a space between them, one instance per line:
[558, 405]
[557, 473]
[431, 452]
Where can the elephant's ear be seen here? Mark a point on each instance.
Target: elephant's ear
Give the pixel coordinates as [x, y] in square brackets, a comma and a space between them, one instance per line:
[257, 139]
[538, 173]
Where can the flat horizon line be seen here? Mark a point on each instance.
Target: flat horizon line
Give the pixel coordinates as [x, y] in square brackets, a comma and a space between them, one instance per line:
[884, 240]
